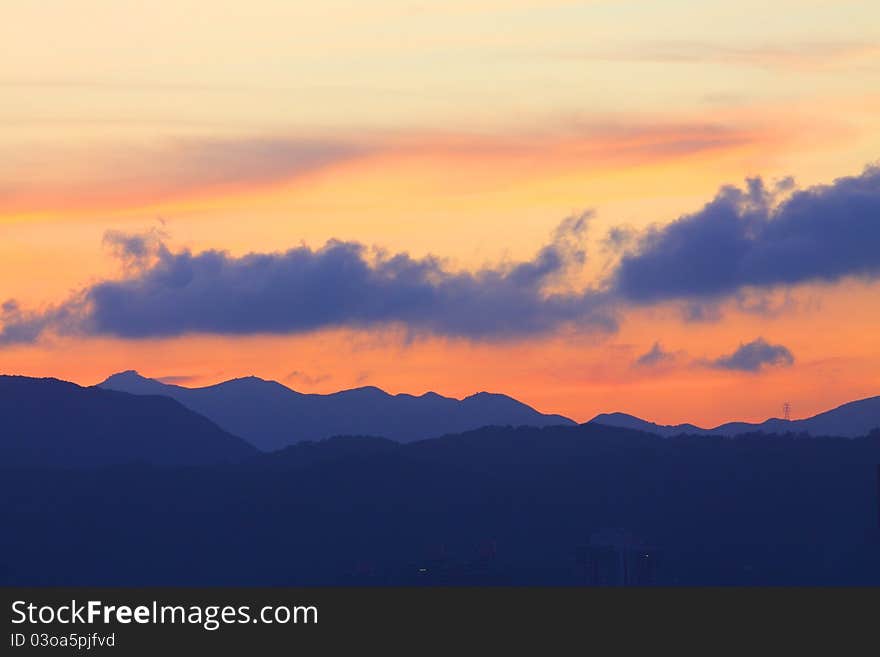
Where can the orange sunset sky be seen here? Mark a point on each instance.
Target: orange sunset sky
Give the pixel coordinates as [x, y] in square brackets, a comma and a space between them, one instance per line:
[137, 136]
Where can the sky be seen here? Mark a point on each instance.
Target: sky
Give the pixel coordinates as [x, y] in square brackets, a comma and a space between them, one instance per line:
[669, 209]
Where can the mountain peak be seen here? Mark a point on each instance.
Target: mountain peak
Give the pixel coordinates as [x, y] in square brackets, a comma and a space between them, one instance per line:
[484, 396]
[619, 414]
[481, 395]
[132, 381]
[251, 386]
[366, 391]
[248, 379]
[126, 375]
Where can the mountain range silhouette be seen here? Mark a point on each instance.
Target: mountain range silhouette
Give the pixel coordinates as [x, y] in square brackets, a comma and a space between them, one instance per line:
[57, 423]
[754, 510]
[101, 487]
[856, 418]
[270, 415]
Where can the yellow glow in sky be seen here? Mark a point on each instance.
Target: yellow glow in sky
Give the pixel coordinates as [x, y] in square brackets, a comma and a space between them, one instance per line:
[466, 130]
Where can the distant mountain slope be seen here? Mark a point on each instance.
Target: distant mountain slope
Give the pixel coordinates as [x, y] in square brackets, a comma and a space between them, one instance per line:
[272, 416]
[756, 511]
[52, 422]
[626, 421]
[857, 418]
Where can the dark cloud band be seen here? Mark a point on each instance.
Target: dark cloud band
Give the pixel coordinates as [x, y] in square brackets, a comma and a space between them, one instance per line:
[304, 289]
[743, 238]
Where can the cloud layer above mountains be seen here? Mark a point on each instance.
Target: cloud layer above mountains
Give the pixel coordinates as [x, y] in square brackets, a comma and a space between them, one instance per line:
[759, 237]
[340, 284]
[745, 238]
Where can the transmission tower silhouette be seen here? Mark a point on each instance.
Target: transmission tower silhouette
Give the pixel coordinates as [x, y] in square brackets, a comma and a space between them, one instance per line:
[786, 411]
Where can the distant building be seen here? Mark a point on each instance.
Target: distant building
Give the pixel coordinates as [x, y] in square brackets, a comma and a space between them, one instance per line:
[614, 557]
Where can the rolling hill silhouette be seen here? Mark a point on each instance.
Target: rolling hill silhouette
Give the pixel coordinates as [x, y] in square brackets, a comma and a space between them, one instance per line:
[755, 510]
[272, 416]
[857, 418]
[48, 422]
